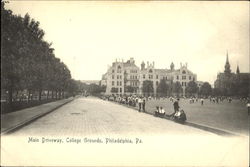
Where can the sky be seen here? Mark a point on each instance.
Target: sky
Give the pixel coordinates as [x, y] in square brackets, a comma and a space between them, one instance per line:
[89, 35]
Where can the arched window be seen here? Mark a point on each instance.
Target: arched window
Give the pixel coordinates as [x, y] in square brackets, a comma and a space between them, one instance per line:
[183, 72]
[119, 69]
[150, 71]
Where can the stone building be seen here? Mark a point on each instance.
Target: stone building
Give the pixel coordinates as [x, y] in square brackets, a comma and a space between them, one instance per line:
[126, 77]
[231, 83]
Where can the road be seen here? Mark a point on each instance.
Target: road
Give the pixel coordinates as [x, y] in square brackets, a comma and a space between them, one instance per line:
[92, 116]
[162, 142]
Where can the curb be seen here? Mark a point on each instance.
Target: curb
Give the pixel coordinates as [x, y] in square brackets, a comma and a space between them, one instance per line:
[22, 124]
[214, 130]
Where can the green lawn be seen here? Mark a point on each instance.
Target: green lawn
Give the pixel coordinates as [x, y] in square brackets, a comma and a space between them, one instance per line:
[228, 116]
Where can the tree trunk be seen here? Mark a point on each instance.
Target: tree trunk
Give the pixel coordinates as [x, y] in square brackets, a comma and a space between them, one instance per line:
[28, 95]
[10, 98]
[40, 95]
[47, 97]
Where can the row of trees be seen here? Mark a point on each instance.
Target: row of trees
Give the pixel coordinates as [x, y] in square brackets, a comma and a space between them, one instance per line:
[28, 62]
[169, 89]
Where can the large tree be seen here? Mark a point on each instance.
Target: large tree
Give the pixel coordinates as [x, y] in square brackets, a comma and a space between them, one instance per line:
[147, 87]
[192, 88]
[27, 60]
[162, 88]
[177, 89]
[206, 89]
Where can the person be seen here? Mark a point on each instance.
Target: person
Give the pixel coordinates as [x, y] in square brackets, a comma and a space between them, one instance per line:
[143, 104]
[162, 111]
[248, 107]
[176, 107]
[157, 111]
[140, 103]
[180, 116]
[202, 101]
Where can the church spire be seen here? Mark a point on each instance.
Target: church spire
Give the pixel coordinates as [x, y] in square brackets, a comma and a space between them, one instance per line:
[227, 66]
[238, 69]
[172, 66]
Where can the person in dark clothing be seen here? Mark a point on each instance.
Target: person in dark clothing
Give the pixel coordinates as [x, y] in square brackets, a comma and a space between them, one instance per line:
[180, 116]
[143, 104]
[176, 107]
[157, 111]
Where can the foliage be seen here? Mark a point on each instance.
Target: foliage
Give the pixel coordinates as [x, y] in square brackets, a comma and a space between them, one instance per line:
[177, 89]
[206, 89]
[28, 61]
[147, 87]
[162, 88]
[192, 88]
[130, 89]
[114, 90]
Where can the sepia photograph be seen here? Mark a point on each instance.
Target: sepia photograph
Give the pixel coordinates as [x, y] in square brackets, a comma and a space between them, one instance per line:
[125, 83]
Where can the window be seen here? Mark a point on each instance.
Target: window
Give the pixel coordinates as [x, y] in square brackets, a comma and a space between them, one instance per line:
[120, 89]
[120, 77]
[182, 84]
[117, 83]
[113, 76]
[119, 69]
[157, 83]
[156, 76]
[150, 76]
[185, 83]
[113, 71]
[143, 76]
[117, 76]
[184, 72]
[184, 77]
[190, 77]
[120, 83]
[113, 83]
[177, 77]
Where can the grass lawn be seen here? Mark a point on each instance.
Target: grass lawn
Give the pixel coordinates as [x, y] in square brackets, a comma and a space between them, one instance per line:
[228, 116]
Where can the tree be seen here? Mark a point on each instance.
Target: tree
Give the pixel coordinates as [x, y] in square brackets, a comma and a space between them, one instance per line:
[206, 89]
[129, 89]
[114, 90]
[147, 87]
[192, 88]
[162, 88]
[28, 62]
[177, 88]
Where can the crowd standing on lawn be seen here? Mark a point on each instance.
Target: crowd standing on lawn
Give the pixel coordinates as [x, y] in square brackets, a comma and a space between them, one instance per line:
[139, 102]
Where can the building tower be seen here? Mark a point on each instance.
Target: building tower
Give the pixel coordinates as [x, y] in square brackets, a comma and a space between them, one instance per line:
[237, 70]
[172, 66]
[227, 66]
[143, 66]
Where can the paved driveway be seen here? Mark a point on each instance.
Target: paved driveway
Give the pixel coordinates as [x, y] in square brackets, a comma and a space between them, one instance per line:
[162, 142]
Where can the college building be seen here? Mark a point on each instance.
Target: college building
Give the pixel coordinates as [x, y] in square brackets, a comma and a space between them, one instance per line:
[126, 78]
[234, 84]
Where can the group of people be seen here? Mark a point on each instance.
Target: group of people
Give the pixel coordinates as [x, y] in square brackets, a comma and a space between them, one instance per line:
[131, 100]
[178, 115]
[159, 111]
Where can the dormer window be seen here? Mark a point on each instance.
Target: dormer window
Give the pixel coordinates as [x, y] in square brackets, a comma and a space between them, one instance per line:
[150, 71]
[183, 72]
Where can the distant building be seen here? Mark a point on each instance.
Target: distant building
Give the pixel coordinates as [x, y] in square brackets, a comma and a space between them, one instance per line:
[233, 83]
[124, 76]
[88, 82]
